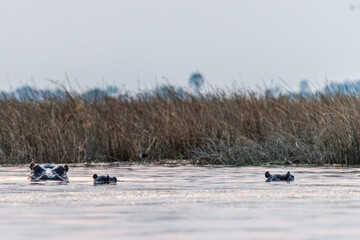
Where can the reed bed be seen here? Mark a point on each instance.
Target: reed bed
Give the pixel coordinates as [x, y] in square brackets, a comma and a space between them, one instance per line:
[232, 128]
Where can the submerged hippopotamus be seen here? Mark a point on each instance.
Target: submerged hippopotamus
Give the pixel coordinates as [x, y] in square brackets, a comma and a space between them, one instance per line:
[104, 179]
[48, 172]
[277, 177]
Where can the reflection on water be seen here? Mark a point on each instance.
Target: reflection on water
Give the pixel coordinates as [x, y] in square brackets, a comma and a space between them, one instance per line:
[181, 203]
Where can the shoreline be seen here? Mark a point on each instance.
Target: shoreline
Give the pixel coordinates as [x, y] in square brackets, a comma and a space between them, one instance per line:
[182, 163]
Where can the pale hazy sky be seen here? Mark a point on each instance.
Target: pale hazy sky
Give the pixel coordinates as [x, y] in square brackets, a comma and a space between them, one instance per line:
[128, 42]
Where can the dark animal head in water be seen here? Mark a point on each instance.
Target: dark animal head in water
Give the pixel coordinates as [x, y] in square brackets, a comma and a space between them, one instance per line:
[48, 172]
[104, 179]
[143, 155]
[277, 177]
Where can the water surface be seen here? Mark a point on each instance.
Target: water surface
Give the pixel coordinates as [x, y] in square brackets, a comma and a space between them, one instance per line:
[181, 203]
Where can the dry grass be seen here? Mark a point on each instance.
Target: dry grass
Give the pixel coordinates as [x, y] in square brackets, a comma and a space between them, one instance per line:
[234, 128]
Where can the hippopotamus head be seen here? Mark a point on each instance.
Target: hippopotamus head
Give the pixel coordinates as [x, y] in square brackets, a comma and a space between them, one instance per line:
[104, 179]
[48, 172]
[277, 177]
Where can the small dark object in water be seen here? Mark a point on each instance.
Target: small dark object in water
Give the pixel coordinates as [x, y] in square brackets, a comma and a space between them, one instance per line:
[104, 179]
[143, 155]
[48, 172]
[277, 177]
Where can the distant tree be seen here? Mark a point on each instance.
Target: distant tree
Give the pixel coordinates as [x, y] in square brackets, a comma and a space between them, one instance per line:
[196, 81]
[272, 92]
[351, 87]
[100, 94]
[304, 88]
[168, 92]
[112, 90]
[94, 94]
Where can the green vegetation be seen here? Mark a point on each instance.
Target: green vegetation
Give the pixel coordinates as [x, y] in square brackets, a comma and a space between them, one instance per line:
[233, 128]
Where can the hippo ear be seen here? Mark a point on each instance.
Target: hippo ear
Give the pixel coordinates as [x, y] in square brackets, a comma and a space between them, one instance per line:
[66, 168]
[31, 165]
[267, 174]
[107, 178]
[95, 176]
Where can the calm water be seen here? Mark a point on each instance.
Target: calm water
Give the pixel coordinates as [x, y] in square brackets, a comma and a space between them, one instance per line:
[182, 203]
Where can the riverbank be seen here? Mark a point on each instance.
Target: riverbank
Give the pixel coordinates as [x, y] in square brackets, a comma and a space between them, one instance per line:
[219, 128]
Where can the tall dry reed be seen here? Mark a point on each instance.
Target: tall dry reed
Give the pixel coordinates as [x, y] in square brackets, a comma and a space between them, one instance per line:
[234, 128]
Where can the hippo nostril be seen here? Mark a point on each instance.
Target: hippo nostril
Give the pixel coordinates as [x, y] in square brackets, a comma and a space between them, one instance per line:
[49, 173]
